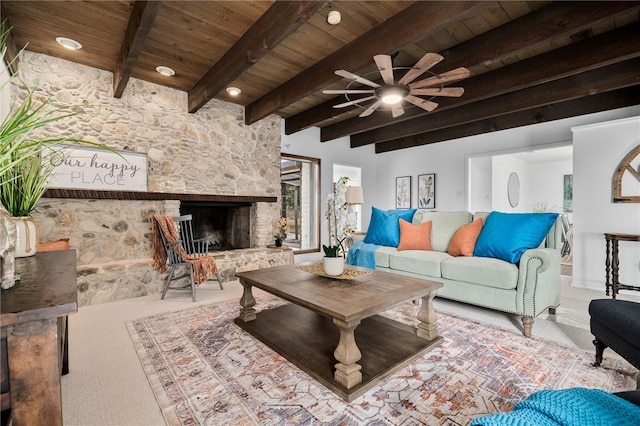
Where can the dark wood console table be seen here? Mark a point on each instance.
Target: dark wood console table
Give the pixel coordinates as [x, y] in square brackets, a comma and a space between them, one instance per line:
[33, 316]
[612, 263]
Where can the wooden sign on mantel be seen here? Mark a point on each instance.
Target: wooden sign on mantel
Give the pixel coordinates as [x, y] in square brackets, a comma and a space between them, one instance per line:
[82, 167]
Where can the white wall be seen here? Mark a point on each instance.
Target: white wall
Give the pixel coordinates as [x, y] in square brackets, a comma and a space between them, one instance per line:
[547, 184]
[503, 166]
[597, 151]
[479, 191]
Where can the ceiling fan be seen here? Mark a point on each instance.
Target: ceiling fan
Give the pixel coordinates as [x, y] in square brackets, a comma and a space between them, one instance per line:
[393, 92]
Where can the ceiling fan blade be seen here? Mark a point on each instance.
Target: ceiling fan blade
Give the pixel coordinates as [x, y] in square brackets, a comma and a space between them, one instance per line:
[346, 104]
[446, 77]
[352, 76]
[383, 62]
[422, 103]
[346, 92]
[367, 112]
[397, 110]
[452, 92]
[423, 65]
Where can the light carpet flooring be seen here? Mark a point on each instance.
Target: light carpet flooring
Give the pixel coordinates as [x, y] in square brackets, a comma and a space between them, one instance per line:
[107, 386]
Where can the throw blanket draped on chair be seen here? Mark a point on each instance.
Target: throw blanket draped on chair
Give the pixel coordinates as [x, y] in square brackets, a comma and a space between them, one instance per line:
[204, 267]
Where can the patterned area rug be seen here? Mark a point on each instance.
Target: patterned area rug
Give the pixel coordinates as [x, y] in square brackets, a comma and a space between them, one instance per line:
[205, 370]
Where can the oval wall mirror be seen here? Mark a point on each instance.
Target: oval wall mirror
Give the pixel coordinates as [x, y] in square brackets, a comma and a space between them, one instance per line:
[513, 189]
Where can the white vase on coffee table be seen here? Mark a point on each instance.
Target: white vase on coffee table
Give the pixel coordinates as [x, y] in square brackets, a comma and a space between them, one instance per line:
[333, 266]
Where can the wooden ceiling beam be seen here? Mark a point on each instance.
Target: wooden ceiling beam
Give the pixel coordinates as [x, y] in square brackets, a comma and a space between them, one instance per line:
[545, 25]
[143, 13]
[412, 24]
[613, 77]
[275, 24]
[601, 102]
[603, 50]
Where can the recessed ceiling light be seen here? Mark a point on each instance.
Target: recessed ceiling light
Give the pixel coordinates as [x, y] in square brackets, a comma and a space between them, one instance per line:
[165, 70]
[69, 43]
[334, 17]
[233, 91]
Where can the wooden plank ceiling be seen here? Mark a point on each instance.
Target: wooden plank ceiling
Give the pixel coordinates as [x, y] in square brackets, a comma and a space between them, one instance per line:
[530, 61]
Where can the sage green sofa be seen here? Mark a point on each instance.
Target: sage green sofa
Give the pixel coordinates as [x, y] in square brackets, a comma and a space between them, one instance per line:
[526, 289]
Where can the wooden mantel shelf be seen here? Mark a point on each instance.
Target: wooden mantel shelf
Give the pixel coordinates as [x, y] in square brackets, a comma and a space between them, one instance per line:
[139, 195]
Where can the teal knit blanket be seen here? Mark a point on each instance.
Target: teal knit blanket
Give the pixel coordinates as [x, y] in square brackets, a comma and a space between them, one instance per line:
[567, 407]
[362, 254]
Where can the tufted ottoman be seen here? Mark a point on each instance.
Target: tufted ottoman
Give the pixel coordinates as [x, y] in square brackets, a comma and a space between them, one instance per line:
[616, 325]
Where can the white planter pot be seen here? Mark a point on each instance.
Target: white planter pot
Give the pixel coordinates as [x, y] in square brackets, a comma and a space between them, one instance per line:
[333, 266]
[26, 236]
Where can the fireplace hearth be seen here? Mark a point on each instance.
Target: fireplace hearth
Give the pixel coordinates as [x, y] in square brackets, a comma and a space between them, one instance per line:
[228, 224]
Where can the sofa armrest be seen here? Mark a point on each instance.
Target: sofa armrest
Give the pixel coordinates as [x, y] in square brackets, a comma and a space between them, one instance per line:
[354, 238]
[538, 281]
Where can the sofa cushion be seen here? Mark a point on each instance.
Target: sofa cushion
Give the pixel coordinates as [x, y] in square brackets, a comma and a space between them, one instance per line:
[507, 236]
[464, 240]
[384, 229]
[481, 270]
[415, 237]
[445, 224]
[382, 256]
[418, 262]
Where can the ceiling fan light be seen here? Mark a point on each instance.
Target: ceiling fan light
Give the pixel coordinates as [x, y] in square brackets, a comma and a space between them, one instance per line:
[392, 94]
[391, 98]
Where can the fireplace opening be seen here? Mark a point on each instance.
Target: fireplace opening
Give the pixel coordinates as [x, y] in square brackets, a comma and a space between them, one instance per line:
[228, 224]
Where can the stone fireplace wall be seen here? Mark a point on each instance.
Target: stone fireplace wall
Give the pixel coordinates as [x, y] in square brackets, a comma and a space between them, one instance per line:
[209, 152]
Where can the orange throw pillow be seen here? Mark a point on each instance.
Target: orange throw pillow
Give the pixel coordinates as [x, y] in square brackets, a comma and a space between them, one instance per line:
[464, 240]
[61, 244]
[415, 237]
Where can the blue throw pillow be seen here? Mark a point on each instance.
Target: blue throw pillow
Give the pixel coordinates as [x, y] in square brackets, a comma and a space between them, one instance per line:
[384, 229]
[507, 235]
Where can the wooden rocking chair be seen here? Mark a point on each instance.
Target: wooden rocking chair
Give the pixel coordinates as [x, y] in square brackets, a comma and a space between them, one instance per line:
[181, 253]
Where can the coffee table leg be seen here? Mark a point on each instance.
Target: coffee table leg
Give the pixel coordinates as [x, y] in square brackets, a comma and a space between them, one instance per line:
[427, 329]
[247, 312]
[347, 354]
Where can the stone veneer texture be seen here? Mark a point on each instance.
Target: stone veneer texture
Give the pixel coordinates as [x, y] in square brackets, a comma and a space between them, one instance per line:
[209, 152]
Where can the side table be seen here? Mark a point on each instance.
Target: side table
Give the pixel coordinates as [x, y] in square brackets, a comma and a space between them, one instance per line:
[612, 263]
[34, 346]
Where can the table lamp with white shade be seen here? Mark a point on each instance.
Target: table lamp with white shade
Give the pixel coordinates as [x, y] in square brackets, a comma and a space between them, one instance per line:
[354, 196]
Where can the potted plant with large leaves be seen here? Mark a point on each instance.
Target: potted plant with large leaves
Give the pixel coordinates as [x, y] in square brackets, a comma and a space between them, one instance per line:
[23, 173]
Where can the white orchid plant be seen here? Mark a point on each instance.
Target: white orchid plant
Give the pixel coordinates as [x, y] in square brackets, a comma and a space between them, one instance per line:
[340, 222]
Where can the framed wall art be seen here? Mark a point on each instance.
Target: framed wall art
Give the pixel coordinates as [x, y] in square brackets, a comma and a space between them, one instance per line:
[427, 191]
[403, 192]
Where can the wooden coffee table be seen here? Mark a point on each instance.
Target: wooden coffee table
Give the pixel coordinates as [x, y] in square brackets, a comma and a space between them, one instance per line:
[331, 329]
